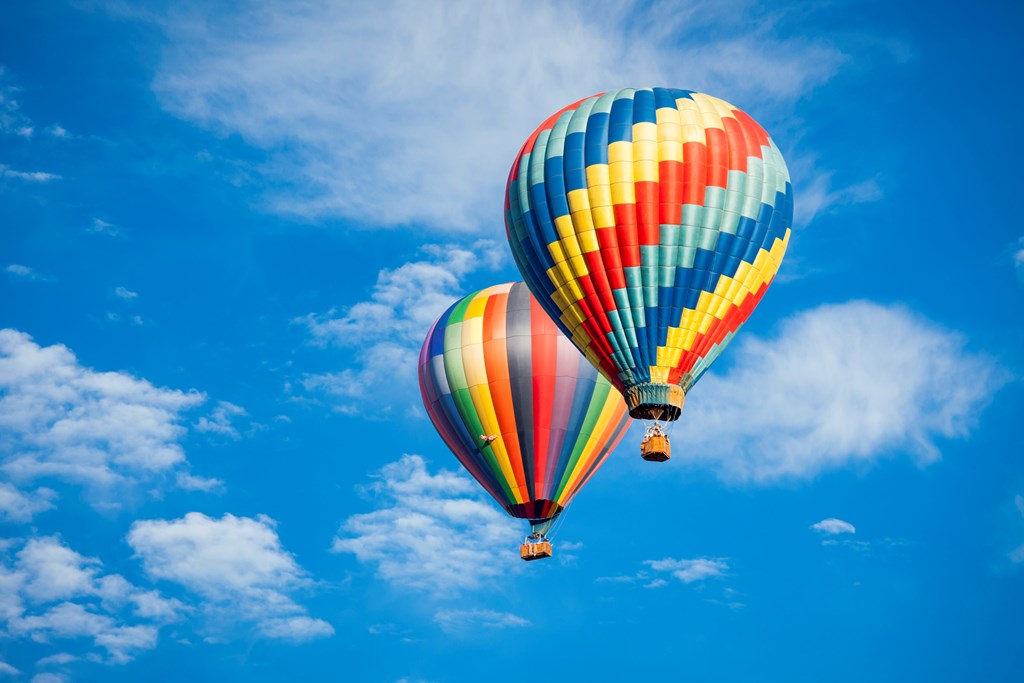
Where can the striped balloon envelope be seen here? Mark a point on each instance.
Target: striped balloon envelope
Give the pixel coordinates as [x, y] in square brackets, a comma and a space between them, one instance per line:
[649, 223]
[516, 403]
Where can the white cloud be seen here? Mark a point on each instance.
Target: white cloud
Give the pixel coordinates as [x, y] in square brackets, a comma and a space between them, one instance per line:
[236, 565]
[12, 119]
[27, 176]
[819, 195]
[388, 328]
[51, 592]
[397, 111]
[1017, 554]
[1018, 258]
[104, 430]
[296, 629]
[839, 384]
[833, 526]
[431, 532]
[8, 670]
[125, 293]
[465, 620]
[407, 300]
[102, 227]
[49, 677]
[22, 506]
[191, 482]
[26, 273]
[59, 659]
[690, 571]
[220, 420]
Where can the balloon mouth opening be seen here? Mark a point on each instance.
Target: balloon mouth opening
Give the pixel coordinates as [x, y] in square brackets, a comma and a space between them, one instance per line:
[652, 401]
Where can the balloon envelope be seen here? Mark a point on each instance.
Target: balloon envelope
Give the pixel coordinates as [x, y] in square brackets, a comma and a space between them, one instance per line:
[649, 223]
[494, 365]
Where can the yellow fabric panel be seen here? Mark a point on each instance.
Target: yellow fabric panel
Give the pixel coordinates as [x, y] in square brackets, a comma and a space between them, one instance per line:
[565, 230]
[558, 296]
[473, 328]
[694, 133]
[619, 152]
[579, 200]
[624, 193]
[555, 249]
[555, 274]
[660, 374]
[644, 131]
[476, 309]
[621, 171]
[597, 175]
[646, 170]
[671, 150]
[604, 216]
[583, 220]
[579, 266]
[575, 291]
[588, 241]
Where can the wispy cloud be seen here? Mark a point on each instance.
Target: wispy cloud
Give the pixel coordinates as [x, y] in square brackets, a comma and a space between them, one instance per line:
[22, 506]
[102, 227]
[27, 176]
[222, 420]
[236, 566]
[413, 112]
[24, 272]
[459, 620]
[687, 571]
[430, 532]
[691, 571]
[838, 385]
[387, 329]
[12, 120]
[1018, 259]
[125, 293]
[1017, 554]
[105, 430]
[820, 195]
[833, 527]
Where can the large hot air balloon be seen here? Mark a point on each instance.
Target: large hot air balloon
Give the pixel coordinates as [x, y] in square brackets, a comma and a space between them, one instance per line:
[522, 410]
[649, 223]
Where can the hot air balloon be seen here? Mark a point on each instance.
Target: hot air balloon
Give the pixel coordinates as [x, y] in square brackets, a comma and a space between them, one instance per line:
[649, 223]
[518, 405]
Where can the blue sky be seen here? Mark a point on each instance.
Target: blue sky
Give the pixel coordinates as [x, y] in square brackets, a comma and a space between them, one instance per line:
[226, 229]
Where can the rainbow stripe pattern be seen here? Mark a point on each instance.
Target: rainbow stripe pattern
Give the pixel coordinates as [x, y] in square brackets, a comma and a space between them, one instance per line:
[495, 365]
[649, 223]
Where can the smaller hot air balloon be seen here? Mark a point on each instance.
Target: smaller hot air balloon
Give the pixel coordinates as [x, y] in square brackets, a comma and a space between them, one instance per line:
[521, 409]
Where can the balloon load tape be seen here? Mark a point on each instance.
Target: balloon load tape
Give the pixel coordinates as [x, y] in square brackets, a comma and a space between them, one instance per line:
[652, 401]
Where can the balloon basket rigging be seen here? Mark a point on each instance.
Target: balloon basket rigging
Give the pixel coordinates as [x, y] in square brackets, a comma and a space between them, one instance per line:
[535, 547]
[655, 447]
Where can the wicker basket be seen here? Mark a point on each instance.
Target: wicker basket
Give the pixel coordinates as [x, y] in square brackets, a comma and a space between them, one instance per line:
[655, 448]
[535, 551]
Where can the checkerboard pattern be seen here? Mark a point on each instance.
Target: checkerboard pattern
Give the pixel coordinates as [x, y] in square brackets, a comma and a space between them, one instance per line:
[649, 223]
